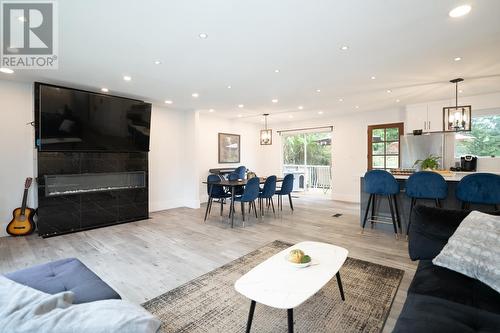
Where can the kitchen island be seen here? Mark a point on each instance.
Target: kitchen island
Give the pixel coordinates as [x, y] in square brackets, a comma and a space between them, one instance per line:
[382, 206]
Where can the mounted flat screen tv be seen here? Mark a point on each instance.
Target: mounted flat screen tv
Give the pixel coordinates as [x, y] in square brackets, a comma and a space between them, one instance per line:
[75, 120]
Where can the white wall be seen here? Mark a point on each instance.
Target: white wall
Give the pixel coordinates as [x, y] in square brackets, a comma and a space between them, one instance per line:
[16, 147]
[251, 150]
[349, 148]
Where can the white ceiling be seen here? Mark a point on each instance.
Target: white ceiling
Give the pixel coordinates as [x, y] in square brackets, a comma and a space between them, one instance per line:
[409, 45]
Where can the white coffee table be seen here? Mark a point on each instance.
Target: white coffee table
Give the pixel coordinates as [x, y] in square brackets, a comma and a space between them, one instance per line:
[277, 283]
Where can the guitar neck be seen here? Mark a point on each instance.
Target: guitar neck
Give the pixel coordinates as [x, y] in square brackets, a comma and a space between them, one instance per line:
[25, 199]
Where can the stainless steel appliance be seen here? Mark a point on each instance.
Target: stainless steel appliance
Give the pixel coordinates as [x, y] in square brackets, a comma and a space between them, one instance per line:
[468, 163]
[419, 147]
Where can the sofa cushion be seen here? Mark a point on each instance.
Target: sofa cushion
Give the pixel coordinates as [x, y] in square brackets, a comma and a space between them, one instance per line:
[423, 313]
[449, 285]
[65, 275]
[474, 249]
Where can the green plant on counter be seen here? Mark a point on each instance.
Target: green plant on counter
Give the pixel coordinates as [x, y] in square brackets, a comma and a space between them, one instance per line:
[431, 162]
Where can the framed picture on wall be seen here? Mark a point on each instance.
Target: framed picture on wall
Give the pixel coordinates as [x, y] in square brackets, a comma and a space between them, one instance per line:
[229, 148]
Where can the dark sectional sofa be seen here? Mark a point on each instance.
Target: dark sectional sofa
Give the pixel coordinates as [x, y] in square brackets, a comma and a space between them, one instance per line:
[439, 299]
[63, 275]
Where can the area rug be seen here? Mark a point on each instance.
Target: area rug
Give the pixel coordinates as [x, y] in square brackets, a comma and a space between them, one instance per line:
[209, 303]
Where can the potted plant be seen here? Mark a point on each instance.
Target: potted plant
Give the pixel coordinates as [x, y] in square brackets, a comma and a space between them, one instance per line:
[430, 163]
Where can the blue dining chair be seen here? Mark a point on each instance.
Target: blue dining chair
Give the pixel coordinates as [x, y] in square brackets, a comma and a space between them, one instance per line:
[267, 193]
[381, 183]
[479, 188]
[286, 189]
[215, 192]
[425, 185]
[250, 194]
[241, 171]
[238, 190]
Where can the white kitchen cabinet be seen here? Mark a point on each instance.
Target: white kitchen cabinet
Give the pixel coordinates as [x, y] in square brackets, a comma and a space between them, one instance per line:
[425, 117]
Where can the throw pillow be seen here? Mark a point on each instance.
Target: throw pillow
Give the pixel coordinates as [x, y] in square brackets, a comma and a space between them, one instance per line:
[474, 249]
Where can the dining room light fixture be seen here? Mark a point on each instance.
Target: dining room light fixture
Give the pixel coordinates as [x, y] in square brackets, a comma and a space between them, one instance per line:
[266, 135]
[457, 118]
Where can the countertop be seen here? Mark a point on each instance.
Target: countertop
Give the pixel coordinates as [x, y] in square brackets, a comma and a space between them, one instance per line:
[455, 177]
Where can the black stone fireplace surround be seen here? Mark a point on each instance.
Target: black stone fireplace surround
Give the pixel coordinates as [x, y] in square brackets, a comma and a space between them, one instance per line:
[86, 190]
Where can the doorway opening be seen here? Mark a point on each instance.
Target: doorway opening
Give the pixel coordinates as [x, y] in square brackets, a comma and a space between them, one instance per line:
[308, 156]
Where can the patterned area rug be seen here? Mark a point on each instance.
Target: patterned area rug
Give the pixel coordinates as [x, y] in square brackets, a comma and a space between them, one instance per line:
[209, 303]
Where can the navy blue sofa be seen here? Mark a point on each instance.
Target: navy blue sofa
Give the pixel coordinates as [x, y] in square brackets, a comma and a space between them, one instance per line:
[439, 299]
[63, 275]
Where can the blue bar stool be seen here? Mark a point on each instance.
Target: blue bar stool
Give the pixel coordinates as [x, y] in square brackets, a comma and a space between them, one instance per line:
[426, 185]
[479, 188]
[382, 183]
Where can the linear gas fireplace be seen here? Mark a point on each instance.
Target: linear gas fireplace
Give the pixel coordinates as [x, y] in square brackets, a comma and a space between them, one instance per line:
[93, 182]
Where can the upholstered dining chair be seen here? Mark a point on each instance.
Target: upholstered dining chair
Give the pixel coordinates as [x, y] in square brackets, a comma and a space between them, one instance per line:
[267, 192]
[250, 194]
[215, 192]
[286, 189]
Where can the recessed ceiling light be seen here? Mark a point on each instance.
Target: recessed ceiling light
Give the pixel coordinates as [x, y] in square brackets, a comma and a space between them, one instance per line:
[460, 91]
[104, 89]
[6, 70]
[373, 77]
[397, 101]
[300, 107]
[168, 101]
[389, 91]
[276, 70]
[203, 35]
[157, 62]
[239, 116]
[341, 99]
[274, 101]
[344, 47]
[127, 78]
[356, 106]
[290, 116]
[229, 87]
[457, 59]
[241, 106]
[195, 95]
[211, 110]
[460, 11]
[320, 112]
[318, 90]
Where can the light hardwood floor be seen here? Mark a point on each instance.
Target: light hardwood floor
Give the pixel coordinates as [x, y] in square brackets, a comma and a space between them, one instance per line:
[144, 259]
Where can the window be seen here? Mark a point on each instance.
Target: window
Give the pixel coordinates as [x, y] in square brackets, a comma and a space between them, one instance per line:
[483, 140]
[383, 146]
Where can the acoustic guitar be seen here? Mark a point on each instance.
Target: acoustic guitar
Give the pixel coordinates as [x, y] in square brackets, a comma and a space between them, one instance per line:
[22, 221]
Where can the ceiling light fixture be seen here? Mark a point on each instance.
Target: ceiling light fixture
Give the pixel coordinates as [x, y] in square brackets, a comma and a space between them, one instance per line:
[356, 106]
[389, 91]
[318, 90]
[290, 116]
[168, 101]
[460, 91]
[274, 101]
[320, 112]
[460, 11]
[229, 87]
[266, 135]
[344, 47]
[195, 95]
[203, 35]
[127, 78]
[373, 77]
[241, 106]
[157, 62]
[457, 59]
[397, 101]
[6, 70]
[341, 99]
[276, 70]
[300, 107]
[239, 116]
[457, 118]
[104, 89]
[211, 110]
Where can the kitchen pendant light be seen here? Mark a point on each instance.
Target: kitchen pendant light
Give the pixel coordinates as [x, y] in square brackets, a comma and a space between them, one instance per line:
[457, 118]
[266, 135]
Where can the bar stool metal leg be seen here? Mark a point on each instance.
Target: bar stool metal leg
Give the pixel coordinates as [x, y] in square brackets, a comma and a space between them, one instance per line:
[366, 211]
[393, 217]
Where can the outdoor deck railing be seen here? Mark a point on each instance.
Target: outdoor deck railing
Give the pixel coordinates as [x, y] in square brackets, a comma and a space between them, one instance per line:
[316, 176]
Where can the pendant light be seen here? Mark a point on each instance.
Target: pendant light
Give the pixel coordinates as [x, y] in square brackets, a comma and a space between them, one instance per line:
[266, 135]
[457, 118]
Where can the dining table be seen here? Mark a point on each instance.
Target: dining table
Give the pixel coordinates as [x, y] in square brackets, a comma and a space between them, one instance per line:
[232, 184]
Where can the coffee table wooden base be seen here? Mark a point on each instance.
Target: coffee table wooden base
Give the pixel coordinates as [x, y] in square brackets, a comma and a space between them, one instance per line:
[289, 311]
